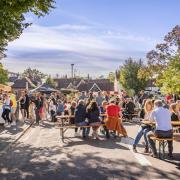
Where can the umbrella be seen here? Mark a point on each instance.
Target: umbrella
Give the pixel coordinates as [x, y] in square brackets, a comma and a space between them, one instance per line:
[44, 88]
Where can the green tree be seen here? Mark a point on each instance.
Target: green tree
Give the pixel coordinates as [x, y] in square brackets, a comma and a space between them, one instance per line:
[111, 76]
[169, 81]
[162, 60]
[129, 77]
[34, 74]
[163, 51]
[3, 75]
[12, 18]
[50, 82]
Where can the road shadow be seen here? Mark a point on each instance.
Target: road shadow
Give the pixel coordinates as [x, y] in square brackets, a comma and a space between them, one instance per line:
[36, 163]
[44, 124]
[102, 143]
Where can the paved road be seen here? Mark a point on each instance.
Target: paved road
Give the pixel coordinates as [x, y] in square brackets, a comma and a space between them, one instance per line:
[9, 134]
[40, 154]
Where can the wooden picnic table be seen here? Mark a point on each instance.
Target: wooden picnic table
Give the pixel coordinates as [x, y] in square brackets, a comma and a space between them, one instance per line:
[72, 116]
[163, 141]
[64, 123]
[174, 123]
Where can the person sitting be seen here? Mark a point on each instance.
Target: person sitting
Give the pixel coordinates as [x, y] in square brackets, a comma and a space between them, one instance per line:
[72, 112]
[112, 122]
[80, 117]
[93, 118]
[178, 108]
[102, 110]
[174, 113]
[144, 129]
[129, 108]
[162, 118]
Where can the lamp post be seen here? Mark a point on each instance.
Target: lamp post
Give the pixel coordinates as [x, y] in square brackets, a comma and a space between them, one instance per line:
[72, 70]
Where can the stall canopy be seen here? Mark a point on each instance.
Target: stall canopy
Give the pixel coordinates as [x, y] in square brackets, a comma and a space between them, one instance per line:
[5, 88]
[44, 88]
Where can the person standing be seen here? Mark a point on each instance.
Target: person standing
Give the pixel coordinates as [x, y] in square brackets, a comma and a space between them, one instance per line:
[13, 108]
[82, 96]
[26, 105]
[91, 96]
[37, 103]
[6, 109]
[41, 111]
[162, 118]
[99, 99]
[52, 109]
[60, 108]
[142, 96]
[22, 101]
[45, 107]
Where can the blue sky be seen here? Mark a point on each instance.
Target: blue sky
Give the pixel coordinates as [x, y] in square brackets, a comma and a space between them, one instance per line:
[96, 35]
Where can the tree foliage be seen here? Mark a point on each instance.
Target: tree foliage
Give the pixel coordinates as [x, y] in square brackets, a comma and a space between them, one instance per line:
[163, 51]
[3, 75]
[34, 74]
[163, 60]
[12, 18]
[169, 81]
[111, 76]
[50, 82]
[129, 77]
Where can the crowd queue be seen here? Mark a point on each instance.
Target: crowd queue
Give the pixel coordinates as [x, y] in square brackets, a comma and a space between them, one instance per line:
[96, 109]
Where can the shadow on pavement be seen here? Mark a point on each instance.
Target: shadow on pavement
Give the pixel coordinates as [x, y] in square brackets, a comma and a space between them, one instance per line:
[103, 143]
[44, 124]
[29, 162]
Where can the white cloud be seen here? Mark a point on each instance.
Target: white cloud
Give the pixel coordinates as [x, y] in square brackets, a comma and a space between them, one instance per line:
[86, 45]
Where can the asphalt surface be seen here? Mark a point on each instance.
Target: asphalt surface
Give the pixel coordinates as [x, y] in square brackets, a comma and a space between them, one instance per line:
[40, 154]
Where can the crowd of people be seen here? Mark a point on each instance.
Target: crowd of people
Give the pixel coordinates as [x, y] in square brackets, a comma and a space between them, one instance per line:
[95, 109]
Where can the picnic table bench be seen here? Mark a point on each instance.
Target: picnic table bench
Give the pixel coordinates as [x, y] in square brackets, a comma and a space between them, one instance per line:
[163, 141]
[64, 123]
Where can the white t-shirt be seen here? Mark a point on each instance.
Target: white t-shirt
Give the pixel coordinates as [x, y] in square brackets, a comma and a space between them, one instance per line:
[148, 116]
[52, 107]
[162, 117]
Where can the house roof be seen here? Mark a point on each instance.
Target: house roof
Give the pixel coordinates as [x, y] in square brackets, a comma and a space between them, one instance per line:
[85, 84]
[12, 79]
[21, 84]
[64, 82]
[108, 86]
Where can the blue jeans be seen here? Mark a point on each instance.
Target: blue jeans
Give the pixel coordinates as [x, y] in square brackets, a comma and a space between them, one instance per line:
[85, 131]
[142, 131]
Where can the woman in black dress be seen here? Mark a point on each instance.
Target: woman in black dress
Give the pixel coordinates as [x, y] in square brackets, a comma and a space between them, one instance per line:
[22, 101]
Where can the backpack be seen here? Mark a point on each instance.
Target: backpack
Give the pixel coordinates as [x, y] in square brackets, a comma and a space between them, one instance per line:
[11, 103]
